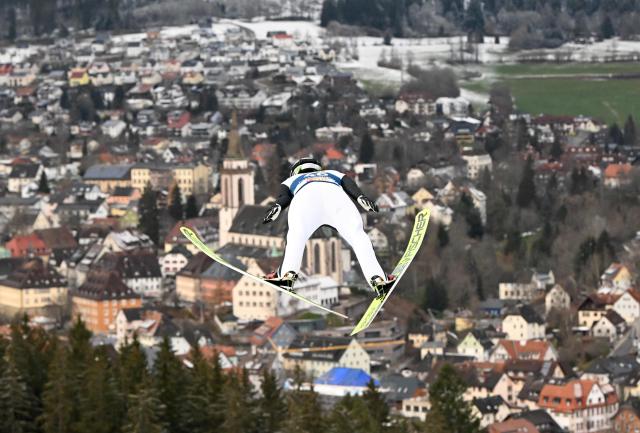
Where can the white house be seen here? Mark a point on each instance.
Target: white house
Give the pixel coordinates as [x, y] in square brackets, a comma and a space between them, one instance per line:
[628, 305]
[524, 324]
[476, 164]
[173, 262]
[516, 291]
[610, 326]
[113, 128]
[557, 298]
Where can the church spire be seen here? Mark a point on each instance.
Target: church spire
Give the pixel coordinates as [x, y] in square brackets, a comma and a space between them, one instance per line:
[235, 149]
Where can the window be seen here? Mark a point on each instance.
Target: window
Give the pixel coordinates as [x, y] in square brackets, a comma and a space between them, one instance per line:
[316, 258]
[334, 257]
[240, 192]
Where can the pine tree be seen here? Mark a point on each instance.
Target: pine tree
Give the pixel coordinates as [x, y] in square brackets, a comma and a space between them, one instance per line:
[378, 410]
[17, 403]
[43, 185]
[615, 134]
[132, 367]
[240, 413]
[60, 407]
[630, 137]
[272, 409]
[329, 12]
[305, 413]
[527, 188]
[175, 208]
[436, 297]
[556, 148]
[12, 32]
[101, 404]
[367, 148]
[474, 20]
[145, 413]
[449, 411]
[480, 288]
[342, 419]
[148, 210]
[31, 349]
[443, 236]
[606, 28]
[522, 133]
[202, 410]
[191, 208]
[472, 216]
[170, 385]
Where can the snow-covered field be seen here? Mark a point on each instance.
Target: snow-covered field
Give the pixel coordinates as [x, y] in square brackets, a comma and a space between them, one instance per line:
[306, 30]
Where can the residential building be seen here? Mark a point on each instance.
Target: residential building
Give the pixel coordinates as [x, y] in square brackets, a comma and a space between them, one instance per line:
[417, 103]
[516, 291]
[532, 350]
[174, 261]
[477, 164]
[477, 344]
[616, 277]
[416, 407]
[32, 288]
[342, 381]
[616, 175]
[108, 177]
[489, 410]
[610, 326]
[513, 426]
[149, 326]
[593, 307]
[627, 419]
[580, 406]
[557, 299]
[523, 324]
[98, 300]
[192, 179]
[253, 300]
[317, 355]
[628, 305]
[23, 175]
[140, 271]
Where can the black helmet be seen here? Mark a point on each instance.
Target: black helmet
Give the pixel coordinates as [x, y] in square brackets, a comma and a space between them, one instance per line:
[305, 165]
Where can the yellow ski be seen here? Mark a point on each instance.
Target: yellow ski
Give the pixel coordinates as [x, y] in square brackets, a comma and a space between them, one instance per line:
[195, 240]
[417, 235]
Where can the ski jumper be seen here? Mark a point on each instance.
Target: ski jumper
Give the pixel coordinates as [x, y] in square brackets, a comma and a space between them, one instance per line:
[322, 198]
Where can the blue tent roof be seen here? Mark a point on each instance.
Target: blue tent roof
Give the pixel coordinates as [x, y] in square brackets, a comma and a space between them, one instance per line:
[343, 376]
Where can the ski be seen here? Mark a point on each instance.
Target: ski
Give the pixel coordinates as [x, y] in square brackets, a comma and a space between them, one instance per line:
[417, 235]
[195, 240]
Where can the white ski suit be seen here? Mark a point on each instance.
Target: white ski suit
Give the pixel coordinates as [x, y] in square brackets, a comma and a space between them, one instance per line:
[319, 199]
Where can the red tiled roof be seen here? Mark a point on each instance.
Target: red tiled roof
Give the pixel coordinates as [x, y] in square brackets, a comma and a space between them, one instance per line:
[25, 244]
[527, 349]
[548, 118]
[266, 330]
[519, 425]
[572, 396]
[616, 170]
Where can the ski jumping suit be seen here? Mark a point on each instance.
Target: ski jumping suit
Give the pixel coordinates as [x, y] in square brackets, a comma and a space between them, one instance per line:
[322, 198]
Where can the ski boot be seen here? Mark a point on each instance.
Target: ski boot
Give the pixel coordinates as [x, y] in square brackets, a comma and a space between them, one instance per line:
[382, 286]
[286, 281]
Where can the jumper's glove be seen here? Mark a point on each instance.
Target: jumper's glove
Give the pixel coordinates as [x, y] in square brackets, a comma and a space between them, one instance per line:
[367, 204]
[273, 214]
